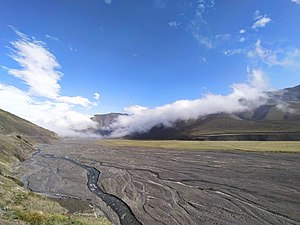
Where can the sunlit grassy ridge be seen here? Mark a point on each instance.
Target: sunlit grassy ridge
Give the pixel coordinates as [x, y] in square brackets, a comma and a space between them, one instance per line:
[268, 146]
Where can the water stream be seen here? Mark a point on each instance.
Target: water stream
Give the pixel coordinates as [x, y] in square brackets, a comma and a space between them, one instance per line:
[123, 211]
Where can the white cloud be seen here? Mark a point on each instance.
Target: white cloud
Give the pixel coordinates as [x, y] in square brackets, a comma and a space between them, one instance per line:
[257, 15]
[51, 37]
[296, 1]
[260, 21]
[76, 100]
[174, 24]
[201, 8]
[231, 52]
[108, 1]
[258, 79]
[198, 22]
[203, 40]
[242, 31]
[42, 103]
[242, 39]
[56, 116]
[242, 97]
[38, 67]
[279, 57]
[97, 96]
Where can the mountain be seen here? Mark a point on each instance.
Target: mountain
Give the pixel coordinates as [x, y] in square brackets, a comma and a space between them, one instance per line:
[18, 205]
[17, 139]
[278, 119]
[104, 120]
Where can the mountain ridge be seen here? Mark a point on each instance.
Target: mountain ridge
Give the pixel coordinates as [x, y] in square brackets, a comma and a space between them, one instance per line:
[18, 138]
[277, 119]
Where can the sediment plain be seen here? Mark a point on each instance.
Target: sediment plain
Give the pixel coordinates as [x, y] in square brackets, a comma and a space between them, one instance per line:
[161, 186]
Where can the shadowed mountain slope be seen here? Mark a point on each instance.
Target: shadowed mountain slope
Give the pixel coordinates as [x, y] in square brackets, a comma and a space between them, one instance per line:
[278, 119]
[105, 120]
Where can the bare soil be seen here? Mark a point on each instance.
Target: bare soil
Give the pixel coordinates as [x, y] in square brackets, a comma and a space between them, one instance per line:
[175, 187]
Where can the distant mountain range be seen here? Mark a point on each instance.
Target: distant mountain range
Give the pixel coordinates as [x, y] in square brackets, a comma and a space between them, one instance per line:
[278, 119]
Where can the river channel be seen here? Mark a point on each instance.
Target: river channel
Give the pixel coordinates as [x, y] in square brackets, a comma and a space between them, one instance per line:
[123, 211]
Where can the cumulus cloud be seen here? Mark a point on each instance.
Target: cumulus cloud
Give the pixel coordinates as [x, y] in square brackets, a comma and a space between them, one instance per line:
[243, 97]
[296, 1]
[42, 103]
[97, 96]
[242, 31]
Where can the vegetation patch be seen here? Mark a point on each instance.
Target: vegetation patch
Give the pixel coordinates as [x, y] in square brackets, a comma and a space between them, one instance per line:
[261, 146]
[18, 205]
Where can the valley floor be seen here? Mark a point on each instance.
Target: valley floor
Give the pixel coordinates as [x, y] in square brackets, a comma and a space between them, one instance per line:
[182, 186]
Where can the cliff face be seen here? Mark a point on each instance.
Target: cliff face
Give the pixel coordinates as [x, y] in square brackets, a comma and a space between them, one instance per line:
[104, 120]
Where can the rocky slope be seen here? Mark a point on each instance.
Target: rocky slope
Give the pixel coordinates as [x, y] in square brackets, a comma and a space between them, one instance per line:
[104, 120]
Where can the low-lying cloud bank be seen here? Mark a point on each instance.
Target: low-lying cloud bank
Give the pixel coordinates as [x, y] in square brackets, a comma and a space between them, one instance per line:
[243, 97]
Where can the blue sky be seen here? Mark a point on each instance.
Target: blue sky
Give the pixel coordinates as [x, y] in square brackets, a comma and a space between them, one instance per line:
[142, 52]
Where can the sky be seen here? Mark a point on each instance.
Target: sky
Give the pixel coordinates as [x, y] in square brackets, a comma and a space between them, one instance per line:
[62, 61]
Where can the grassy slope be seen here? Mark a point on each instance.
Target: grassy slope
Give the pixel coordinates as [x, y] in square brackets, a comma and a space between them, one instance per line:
[269, 146]
[17, 139]
[13, 125]
[17, 205]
